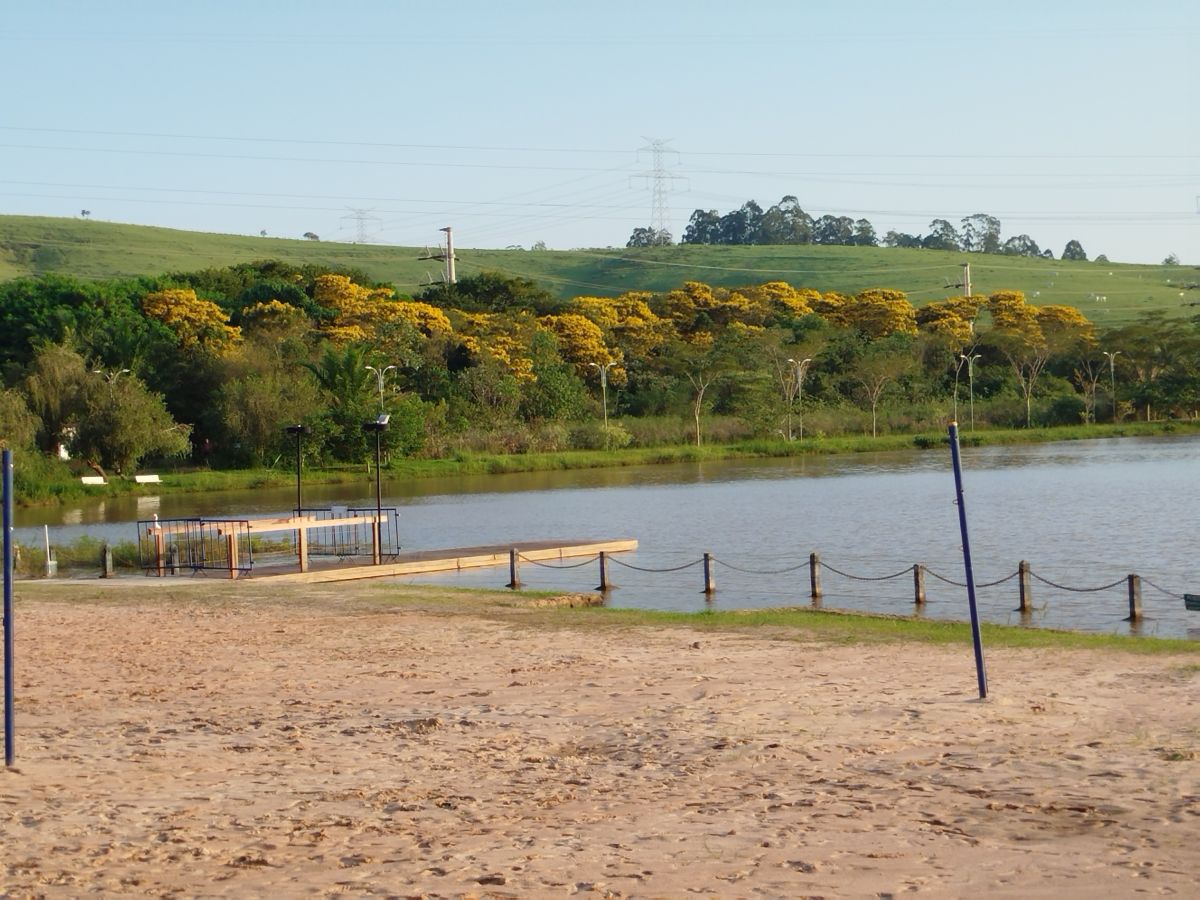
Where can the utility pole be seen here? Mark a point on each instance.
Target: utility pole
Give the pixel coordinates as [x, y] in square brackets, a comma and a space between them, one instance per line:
[965, 284]
[447, 256]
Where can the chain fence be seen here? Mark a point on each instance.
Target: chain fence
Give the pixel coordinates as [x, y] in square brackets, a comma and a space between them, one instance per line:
[917, 571]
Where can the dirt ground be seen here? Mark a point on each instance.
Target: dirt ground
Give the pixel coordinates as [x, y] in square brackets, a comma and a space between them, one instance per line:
[233, 739]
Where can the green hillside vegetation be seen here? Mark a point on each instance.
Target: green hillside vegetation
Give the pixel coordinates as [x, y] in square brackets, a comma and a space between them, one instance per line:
[1108, 293]
[205, 361]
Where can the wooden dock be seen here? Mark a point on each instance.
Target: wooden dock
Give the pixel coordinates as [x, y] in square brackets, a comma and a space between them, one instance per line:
[419, 562]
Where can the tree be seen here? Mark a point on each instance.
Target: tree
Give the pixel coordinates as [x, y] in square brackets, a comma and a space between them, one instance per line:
[704, 227]
[122, 422]
[741, 226]
[556, 391]
[1021, 245]
[649, 237]
[833, 230]
[902, 239]
[877, 370]
[346, 386]
[1171, 260]
[54, 388]
[18, 426]
[864, 234]
[492, 291]
[196, 323]
[786, 223]
[701, 361]
[942, 236]
[878, 313]
[1027, 337]
[981, 234]
[1074, 250]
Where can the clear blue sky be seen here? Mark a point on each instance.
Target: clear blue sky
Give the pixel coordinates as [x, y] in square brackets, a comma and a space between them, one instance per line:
[519, 121]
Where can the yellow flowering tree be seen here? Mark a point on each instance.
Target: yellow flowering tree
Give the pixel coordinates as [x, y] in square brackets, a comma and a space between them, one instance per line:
[196, 323]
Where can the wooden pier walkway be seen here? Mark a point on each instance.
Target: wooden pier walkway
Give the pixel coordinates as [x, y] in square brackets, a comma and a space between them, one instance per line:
[418, 562]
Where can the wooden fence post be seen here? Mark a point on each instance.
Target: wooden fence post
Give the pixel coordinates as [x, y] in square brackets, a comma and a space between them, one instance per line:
[514, 572]
[1135, 598]
[814, 575]
[710, 585]
[106, 561]
[605, 584]
[918, 584]
[1026, 593]
[159, 546]
[231, 548]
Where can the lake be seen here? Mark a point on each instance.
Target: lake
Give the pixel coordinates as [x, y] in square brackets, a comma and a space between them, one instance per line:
[1083, 513]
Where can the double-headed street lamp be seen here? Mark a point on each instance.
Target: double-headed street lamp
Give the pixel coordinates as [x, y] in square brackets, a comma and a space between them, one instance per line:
[378, 427]
[380, 374]
[110, 376]
[603, 369]
[1112, 378]
[801, 368]
[299, 431]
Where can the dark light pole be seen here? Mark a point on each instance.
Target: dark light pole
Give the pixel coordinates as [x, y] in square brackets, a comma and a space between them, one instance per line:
[378, 427]
[299, 431]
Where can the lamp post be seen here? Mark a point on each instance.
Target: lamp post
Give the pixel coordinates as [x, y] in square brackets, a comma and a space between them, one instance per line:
[378, 427]
[1112, 378]
[801, 368]
[970, 360]
[380, 374]
[110, 376]
[603, 369]
[299, 431]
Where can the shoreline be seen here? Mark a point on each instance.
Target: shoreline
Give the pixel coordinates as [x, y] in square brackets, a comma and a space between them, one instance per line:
[235, 740]
[482, 464]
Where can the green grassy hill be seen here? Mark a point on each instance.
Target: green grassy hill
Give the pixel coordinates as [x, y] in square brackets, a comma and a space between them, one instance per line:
[1108, 293]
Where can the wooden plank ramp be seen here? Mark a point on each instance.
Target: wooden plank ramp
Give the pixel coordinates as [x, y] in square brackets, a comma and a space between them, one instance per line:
[418, 562]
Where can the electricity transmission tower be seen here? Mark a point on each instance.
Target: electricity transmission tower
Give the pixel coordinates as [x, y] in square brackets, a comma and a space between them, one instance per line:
[361, 216]
[660, 182]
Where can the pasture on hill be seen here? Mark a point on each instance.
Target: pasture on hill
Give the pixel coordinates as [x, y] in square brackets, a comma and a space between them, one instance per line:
[1108, 293]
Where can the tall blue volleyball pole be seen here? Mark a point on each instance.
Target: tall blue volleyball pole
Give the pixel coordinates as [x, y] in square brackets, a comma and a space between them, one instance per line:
[980, 670]
[9, 738]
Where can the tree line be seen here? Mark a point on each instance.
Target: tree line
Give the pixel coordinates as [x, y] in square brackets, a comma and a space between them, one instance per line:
[787, 223]
[212, 366]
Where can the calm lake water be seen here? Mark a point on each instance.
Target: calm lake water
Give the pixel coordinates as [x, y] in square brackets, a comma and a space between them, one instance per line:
[1083, 513]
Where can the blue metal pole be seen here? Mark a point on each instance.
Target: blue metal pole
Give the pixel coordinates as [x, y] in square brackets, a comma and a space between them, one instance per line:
[980, 670]
[9, 729]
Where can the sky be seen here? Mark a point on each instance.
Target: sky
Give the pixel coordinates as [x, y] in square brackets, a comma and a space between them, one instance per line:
[527, 121]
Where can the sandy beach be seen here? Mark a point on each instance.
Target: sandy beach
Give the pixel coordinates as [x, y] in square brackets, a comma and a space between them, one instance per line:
[233, 739]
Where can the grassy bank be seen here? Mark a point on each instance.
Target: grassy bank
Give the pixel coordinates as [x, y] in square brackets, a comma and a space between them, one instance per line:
[45, 486]
[844, 627]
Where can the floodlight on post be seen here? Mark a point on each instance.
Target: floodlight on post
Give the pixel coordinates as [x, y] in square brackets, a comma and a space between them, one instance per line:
[801, 368]
[378, 427]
